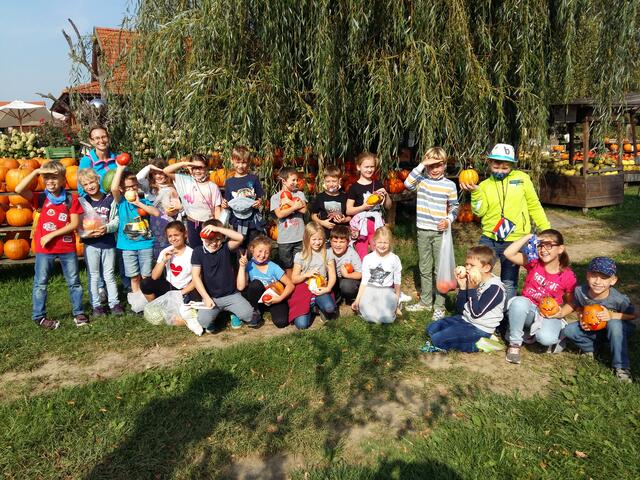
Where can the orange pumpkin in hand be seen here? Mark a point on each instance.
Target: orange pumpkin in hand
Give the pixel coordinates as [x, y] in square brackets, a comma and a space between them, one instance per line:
[548, 306]
[590, 320]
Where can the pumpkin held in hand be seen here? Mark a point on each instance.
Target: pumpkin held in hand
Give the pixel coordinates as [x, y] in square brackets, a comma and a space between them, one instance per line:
[348, 267]
[548, 306]
[590, 320]
[469, 176]
[374, 199]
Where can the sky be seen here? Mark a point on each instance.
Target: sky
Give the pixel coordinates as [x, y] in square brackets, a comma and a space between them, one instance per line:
[34, 56]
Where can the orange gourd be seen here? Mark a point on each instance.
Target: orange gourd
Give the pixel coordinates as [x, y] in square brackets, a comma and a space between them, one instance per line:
[19, 216]
[590, 317]
[19, 200]
[10, 163]
[469, 176]
[548, 306]
[15, 176]
[348, 267]
[627, 147]
[68, 162]
[72, 176]
[32, 163]
[465, 215]
[16, 249]
[558, 148]
[394, 183]
[40, 186]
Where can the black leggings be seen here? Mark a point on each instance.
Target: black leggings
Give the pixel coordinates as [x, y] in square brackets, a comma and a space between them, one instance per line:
[279, 311]
[159, 287]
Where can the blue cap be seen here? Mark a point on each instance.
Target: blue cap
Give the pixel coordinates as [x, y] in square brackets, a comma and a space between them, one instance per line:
[604, 265]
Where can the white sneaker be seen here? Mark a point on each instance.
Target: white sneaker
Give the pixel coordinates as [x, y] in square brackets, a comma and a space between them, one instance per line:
[404, 298]
[558, 347]
[194, 326]
[438, 314]
[417, 307]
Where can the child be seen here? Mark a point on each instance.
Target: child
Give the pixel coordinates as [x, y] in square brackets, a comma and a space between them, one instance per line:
[257, 274]
[100, 243]
[480, 304]
[548, 276]
[213, 275]
[314, 275]
[135, 238]
[173, 268]
[379, 293]
[54, 238]
[200, 198]
[158, 189]
[329, 208]
[506, 202]
[289, 205]
[436, 208]
[344, 256]
[367, 217]
[601, 277]
[243, 196]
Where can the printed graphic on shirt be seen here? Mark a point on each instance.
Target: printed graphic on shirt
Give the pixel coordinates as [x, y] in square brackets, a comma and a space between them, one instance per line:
[138, 229]
[378, 275]
[333, 208]
[247, 192]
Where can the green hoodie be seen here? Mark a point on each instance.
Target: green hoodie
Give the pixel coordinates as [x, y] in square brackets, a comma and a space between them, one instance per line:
[521, 205]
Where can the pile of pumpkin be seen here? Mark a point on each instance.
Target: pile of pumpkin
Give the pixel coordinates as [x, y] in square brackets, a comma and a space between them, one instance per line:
[15, 210]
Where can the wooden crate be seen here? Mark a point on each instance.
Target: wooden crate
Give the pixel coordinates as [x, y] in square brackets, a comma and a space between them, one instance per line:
[580, 191]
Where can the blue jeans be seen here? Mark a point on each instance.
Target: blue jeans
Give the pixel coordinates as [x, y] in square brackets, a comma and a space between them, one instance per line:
[325, 303]
[454, 333]
[43, 268]
[616, 332]
[138, 262]
[508, 270]
[522, 313]
[97, 260]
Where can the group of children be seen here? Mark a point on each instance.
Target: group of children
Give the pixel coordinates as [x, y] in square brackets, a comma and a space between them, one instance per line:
[174, 215]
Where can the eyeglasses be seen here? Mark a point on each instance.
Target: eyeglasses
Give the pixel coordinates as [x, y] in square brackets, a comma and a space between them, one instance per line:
[95, 139]
[547, 245]
[202, 167]
[131, 187]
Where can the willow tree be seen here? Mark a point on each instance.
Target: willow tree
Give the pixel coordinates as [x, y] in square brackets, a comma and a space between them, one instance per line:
[347, 75]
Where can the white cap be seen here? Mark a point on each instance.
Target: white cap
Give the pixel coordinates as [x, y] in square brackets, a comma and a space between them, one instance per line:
[503, 152]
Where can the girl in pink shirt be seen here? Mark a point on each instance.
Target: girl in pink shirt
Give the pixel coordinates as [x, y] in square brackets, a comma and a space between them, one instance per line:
[547, 276]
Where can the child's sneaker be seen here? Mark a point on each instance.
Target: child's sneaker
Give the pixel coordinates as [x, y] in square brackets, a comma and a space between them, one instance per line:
[558, 347]
[623, 374]
[256, 319]
[404, 298]
[99, 311]
[417, 307]
[429, 347]
[513, 354]
[489, 344]
[587, 355]
[117, 310]
[438, 314]
[81, 320]
[236, 323]
[47, 323]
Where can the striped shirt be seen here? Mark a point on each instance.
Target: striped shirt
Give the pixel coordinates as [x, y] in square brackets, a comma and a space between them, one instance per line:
[437, 199]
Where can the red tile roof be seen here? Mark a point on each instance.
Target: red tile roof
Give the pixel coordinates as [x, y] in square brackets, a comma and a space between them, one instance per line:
[110, 47]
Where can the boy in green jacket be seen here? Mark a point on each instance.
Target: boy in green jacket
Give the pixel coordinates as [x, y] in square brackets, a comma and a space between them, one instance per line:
[506, 202]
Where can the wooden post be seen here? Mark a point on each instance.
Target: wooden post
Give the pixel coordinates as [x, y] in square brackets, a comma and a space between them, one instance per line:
[572, 147]
[632, 122]
[620, 143]
[585, 145]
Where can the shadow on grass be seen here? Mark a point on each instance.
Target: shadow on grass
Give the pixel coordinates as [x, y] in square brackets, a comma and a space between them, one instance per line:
[167, 427]
[426, 469]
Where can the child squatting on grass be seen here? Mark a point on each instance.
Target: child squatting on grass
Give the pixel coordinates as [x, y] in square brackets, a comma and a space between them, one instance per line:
[616, 312]
[480, 305]
[54, 237]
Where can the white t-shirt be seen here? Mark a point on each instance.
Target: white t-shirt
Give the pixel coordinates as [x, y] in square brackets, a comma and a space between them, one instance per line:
[381, 271]
[198, 199]
[178, 268]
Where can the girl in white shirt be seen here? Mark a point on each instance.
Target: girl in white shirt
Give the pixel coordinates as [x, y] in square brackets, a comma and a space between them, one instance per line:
[379, 293]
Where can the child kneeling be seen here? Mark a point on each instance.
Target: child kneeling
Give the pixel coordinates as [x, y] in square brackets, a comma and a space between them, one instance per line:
[480, 303]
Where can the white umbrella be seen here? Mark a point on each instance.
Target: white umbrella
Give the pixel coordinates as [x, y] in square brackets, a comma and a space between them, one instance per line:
[19, 113]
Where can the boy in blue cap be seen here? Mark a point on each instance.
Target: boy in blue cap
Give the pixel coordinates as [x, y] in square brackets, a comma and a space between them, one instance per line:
[601, 277]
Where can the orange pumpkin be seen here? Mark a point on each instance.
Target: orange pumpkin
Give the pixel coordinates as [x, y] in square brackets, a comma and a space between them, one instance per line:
[465, 215]
[548, 306]
[68, 162]
[40, 186]
[564, 156]
[273, 231]
[16, 249]
[558, 148]
[348, 267]
[4, 202]
[590, 318]
[393, 183]
[627, 147]
[219, 176]
[79, 246]
[32, 163]
[469, 176]
[3, 173]
[15, 176]
[19, 216]
[72, 177]
[613, 147]
[277, 287]
[3, 216]
[19, 200]
[10, 163]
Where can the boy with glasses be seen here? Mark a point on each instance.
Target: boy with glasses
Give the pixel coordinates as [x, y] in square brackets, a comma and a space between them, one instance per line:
[436, 208]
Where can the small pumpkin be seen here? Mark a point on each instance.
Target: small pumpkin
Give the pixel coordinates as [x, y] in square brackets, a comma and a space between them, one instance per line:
[3, 173]
[4, 202]
[465, 215]
[31, 163]
[374, 199]
[316, 282]
[10, 163]
[613, 147]
[590, 318]
[558, 148]
[627, 147]
[348, 267]
[19, 216]
[72, 177]
[40, 186]
[393, 183]
[16, 249]
[273, 231]
[79, 247]
[548, 306]
[277, 287]
[19, 200]
[469, 176]
[68, 162]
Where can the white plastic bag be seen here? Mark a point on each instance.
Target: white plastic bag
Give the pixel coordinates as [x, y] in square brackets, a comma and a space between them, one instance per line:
[137, 301]
[168, 200]
[91, 220]
[165, 309]
[446, 278]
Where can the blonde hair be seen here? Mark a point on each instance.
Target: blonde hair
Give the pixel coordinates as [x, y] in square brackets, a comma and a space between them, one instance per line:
[311, 229]
[384, 232]
[241, 153]
[436, 153]
[53, 167]
[365, 155]
[88, 174]
[260, 240]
